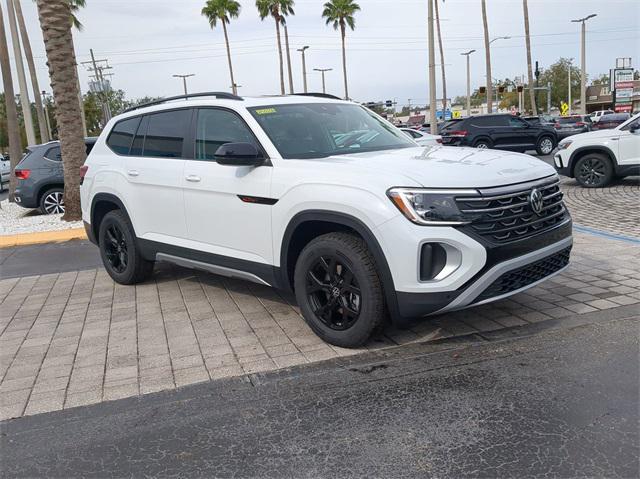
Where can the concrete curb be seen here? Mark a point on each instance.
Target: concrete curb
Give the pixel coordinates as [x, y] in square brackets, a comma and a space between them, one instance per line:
[7, 241]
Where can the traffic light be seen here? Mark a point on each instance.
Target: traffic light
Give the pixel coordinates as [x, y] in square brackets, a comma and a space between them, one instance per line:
[482, 90]
[388, 103]
[520, 88]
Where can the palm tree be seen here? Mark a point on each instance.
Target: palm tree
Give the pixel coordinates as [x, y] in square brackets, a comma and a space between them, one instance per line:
[28, 53]
[13, 128]
[61, 59]
[532, 94]
[277, 9]
[76, 5]
[223, 11]
[444, 77]
[487, 53]
[340, 13]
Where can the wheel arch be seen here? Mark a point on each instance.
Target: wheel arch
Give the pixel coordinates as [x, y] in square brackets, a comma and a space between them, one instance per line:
[42, 189]
[483, 137]
[585, 150]
[309, 224]
[101, 204]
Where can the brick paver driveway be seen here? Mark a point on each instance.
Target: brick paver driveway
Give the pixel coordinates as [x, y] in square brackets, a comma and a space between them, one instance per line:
[77, 338]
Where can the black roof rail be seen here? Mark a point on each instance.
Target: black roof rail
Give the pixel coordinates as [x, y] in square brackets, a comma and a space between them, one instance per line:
[319, 95]
[218, 94]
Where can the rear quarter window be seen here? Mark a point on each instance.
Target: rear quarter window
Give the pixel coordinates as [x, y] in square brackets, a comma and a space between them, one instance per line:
[122, 134]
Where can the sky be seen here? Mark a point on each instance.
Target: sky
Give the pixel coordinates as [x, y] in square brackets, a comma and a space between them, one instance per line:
[147, 41]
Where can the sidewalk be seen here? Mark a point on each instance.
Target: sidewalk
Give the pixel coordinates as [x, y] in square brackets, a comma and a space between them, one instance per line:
[76, 338]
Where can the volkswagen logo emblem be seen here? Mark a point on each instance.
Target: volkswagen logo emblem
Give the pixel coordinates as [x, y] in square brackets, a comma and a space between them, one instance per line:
[536, 201]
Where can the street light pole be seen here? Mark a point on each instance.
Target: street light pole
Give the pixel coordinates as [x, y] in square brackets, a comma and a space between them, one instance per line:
[304, 68]
[467, 54]
[184, 81]
[432, 73]
[489, 77]
[569, 85]
[583, 75]
[323, 71]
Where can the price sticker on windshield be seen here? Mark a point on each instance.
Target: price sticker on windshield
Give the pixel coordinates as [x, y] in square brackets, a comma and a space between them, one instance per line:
[265, 111]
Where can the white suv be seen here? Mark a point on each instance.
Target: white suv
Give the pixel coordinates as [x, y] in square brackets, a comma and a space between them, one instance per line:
[323, 197]
[596, 157]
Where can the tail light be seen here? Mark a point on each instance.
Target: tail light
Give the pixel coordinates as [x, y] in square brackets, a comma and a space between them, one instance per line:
[83, 172]
[22, 174]
[458, 133]
[438, 140]
[580, 123]
[556, 125]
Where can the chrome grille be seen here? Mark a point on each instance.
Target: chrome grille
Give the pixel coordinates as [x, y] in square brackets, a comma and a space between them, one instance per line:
[509, 216]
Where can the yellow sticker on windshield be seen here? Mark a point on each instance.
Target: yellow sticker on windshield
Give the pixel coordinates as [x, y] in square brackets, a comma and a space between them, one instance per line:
[265, 111]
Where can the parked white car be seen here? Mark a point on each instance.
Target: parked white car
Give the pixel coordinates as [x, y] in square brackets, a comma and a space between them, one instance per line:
[596, 115]
[323, 197]
[5, 172]
[422, 138]
[597, 157]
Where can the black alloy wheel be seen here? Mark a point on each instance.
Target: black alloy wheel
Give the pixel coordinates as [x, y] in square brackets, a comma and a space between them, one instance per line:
[333, 292]
[115, 248]
[593, 171]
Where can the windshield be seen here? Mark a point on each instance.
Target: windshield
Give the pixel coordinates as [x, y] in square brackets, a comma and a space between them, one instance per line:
[318, 130]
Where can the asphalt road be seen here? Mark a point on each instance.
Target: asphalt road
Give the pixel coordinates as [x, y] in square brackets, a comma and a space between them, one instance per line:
[561, 403]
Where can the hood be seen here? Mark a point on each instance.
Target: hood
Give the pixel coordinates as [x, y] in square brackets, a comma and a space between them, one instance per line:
[450, 167]
[594, 134]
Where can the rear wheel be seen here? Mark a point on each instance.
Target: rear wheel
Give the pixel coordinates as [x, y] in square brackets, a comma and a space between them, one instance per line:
[338, 289]
[545, 145]
[52, 202]
[594, 170]
[120, 253]
[482, 144]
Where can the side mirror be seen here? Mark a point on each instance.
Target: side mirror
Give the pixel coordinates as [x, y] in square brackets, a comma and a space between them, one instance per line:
[238, 154]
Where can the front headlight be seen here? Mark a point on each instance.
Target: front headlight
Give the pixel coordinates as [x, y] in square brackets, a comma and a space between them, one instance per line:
[429, 207]
[564, 144]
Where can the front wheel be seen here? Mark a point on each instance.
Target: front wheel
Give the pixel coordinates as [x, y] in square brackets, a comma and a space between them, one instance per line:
[545, 145]
[338, 289]
[120, 253]
[594, 171]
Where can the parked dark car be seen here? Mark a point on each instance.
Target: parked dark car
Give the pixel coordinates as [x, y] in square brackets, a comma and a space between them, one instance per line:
[40, 177]
[572, 125]
[547, 120]
[610, 121]
[500, 131]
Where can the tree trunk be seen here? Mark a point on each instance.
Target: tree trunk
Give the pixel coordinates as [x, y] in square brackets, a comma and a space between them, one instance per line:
[344, 62]
[56, 30]
[487, 58]
[42, 122]
[286, 45]
[280, 55]
[444, 77]
[234, 88]
[13, 128]
[532, 93]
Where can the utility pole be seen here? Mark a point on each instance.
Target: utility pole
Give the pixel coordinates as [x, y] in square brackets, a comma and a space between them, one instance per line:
[323, 71]
[304, 68]
[184, 81]
[22, 80]
[100, 86]
[569, 85]
[467, 54]
[46, 113]
[583, 75]
[548, 98]
[432, 73]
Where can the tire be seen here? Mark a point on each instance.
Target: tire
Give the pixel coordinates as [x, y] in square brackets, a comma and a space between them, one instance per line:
[483, 144]
[119, 251]
[594, 170]
[545, 145]
[52, 202]
[338, 289]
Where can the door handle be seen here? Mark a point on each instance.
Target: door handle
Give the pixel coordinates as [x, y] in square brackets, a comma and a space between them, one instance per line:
[132, 172]
[193, 178]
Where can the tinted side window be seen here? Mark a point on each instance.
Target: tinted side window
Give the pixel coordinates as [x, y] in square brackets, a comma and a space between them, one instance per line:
[516, 122]
[138, 141]
[217, 127]
[497, 120]
[53, 154]
[165, 133]
[121, 136]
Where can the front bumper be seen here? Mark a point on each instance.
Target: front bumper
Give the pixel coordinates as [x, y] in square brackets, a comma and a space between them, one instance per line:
[507, 269]
[561, 164]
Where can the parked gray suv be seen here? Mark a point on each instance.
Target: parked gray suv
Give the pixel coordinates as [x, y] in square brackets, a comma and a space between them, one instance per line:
[40, 177]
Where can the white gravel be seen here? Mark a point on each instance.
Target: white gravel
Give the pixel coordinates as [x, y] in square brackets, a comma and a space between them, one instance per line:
[15, 219]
